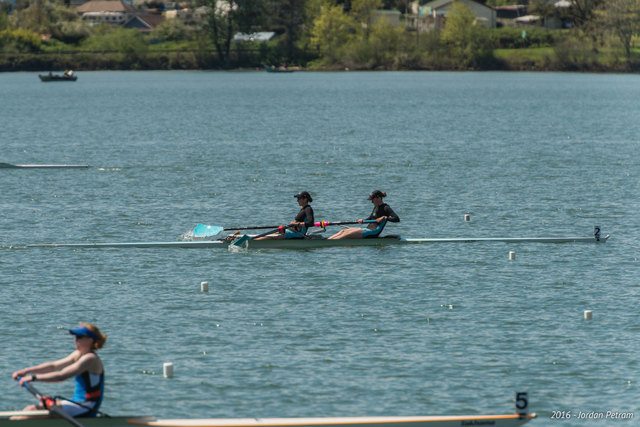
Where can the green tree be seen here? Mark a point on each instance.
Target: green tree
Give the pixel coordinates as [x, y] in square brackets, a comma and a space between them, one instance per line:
[386, 42]
[622, 17]
[4, 20]
[332, 31]
[227, 17]
[467, 42]
[220, 26]
[363, 11]
[290, 16]
[583, 12]
[19, 40]
[171, 30]
[127, 42]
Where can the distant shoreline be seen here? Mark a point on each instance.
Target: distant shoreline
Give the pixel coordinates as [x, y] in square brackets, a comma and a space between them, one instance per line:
[174, 61]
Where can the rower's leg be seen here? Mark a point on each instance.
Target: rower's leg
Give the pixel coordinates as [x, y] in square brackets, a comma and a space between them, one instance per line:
[274, 236]
[348, 233]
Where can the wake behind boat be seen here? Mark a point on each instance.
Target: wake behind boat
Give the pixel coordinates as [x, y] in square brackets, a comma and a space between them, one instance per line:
[42, 420]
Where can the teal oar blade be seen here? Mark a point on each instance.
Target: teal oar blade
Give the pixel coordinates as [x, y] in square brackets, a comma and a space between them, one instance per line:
[240, 240]
[204, 230]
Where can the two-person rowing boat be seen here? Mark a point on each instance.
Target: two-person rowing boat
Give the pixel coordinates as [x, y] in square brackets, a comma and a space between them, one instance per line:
[298, 229]
[305, 220]
[297, 234]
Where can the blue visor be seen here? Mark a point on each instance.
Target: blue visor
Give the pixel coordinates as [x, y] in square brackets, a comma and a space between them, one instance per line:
[83, 331]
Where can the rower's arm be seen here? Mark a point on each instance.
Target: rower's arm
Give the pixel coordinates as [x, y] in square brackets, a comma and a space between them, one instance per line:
[391, 215]
[84, 363]
[309, 220]
[49, 366]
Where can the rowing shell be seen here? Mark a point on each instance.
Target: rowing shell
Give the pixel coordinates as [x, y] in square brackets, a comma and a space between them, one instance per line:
[34, 166]
[313, 243]
[509, 420]
[42, 418]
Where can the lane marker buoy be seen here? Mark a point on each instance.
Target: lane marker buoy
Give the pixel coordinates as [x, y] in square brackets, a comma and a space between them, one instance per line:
[167, 369]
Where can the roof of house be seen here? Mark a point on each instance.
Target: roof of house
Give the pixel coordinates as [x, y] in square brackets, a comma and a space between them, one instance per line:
[105, 6]
[437, 4]
[528, 19]
[149, 20]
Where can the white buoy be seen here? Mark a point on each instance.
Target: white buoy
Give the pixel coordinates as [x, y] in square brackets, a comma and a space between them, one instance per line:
[512, 255]
[588, 315]
[167, 370]
[467, 217]
[204, 286]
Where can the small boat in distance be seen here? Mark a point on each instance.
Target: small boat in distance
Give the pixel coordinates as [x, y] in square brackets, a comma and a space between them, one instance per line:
[67, 76]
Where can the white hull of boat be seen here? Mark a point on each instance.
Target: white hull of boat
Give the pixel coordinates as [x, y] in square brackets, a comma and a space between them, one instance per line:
[322, 243]
[43, 419]
[508, 420]
[38, 166]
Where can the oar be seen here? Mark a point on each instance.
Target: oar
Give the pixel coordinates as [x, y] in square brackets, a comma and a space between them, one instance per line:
[240, 240]
[56, 410]
[203, 230]
[324, 223]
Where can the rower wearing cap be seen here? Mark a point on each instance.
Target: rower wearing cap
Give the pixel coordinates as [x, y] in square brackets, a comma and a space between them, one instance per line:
[297, 229]
[382, 213]
[83, 364]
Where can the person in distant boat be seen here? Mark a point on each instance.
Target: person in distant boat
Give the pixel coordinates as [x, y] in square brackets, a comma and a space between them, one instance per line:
[297, 229]
[382, 213]
[83, 364]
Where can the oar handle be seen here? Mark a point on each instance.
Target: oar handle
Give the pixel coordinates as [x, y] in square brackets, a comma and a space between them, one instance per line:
[324, 223]
[276, 228]
[34, 391]
[31, 389]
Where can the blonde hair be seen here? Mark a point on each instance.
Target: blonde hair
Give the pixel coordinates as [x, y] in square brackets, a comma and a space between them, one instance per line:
[102, 338]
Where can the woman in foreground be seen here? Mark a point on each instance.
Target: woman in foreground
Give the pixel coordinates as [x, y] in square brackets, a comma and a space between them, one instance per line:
[83, 364]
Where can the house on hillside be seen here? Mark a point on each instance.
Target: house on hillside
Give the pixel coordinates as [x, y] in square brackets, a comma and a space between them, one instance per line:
[117, 13]
[558, 17]
[433, 14]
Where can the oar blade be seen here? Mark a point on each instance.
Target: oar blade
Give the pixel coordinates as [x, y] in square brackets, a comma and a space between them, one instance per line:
[240, 241]
[201, 231]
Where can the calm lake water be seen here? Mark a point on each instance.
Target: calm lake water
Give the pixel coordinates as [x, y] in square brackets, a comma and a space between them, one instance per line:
[433, 329]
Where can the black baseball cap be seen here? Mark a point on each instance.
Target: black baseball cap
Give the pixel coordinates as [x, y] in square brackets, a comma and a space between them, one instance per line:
[377, 193]
[304, 194]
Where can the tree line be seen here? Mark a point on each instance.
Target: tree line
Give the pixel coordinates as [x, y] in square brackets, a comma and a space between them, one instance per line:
[324, 34]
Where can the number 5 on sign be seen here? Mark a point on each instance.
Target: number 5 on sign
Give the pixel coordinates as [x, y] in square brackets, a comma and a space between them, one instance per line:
[522, 403]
